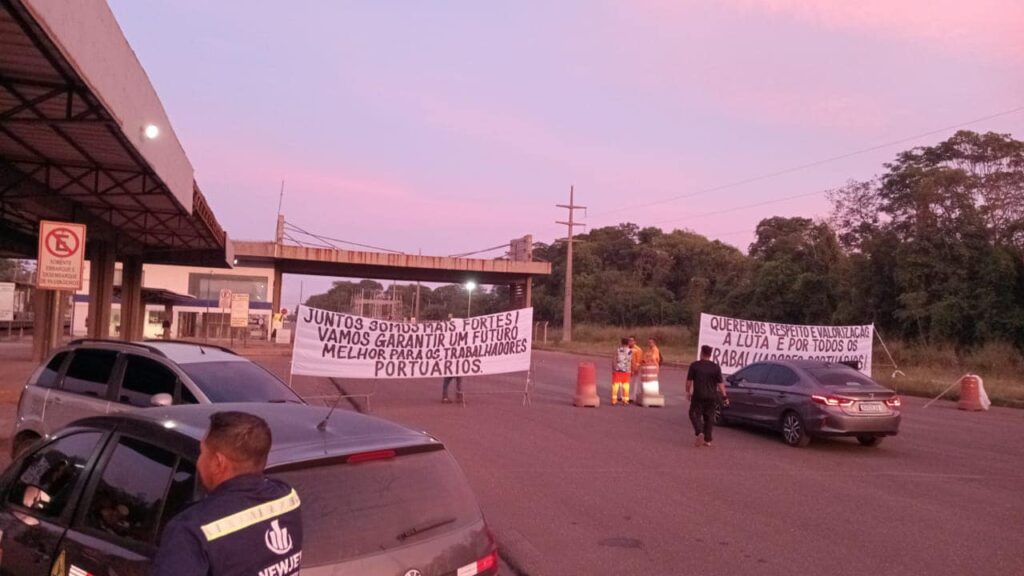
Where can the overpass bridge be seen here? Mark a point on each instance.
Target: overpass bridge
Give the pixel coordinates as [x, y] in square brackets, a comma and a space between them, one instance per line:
[337, 262]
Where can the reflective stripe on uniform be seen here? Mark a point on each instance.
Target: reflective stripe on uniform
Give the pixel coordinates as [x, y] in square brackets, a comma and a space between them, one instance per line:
[245, 518]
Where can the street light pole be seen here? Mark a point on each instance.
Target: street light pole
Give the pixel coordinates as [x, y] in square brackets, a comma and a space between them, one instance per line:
[469, 300]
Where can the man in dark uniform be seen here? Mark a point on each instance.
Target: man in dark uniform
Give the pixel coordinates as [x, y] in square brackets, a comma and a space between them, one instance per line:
[248, 524]
[704, 389]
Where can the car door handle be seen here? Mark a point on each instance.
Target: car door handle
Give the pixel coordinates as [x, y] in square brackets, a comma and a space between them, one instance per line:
[58, 400]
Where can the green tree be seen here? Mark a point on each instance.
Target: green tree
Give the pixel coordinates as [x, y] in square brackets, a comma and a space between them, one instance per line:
[938, 239]
[799, 271]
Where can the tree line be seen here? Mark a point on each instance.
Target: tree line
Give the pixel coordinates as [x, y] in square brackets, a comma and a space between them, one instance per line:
[930, 250]
[436, 303]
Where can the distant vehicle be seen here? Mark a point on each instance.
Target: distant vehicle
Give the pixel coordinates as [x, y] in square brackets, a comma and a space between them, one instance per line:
[93, 377]
[377, 498]
[803, 399]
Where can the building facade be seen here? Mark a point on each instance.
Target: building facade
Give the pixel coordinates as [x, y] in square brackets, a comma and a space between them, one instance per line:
[190, 299]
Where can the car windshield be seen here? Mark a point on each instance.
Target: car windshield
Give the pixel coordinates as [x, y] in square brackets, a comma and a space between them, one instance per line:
[238, 382]
[841, 377]
[378, 505]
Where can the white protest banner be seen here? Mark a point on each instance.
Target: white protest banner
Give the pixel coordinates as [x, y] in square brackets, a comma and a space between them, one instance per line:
[334, 344]
[737, 343]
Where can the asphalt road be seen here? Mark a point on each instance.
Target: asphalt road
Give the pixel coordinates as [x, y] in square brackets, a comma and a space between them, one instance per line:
[615, 490]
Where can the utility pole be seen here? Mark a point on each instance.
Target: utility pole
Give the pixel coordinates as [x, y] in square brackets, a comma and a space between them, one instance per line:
[567, 308]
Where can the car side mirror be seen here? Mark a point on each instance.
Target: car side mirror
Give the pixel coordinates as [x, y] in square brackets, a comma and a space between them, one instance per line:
[736, 381]
[161, 399]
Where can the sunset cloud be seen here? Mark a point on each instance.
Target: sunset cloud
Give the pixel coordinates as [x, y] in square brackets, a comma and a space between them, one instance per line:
[981, 28]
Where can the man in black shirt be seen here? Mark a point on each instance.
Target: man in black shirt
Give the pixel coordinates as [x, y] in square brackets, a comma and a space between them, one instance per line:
[704, 388]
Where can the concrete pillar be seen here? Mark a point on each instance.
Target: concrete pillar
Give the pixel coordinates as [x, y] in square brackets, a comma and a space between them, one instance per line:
[101, 289]
[133, 311]
[47, 323]
[168, 331]
[520, 295]
[275, 299]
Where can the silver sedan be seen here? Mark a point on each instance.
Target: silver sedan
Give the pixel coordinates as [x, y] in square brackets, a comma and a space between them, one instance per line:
[802, 399]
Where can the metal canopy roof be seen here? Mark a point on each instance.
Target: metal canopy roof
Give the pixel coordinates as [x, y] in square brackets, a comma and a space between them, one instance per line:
[65, 156]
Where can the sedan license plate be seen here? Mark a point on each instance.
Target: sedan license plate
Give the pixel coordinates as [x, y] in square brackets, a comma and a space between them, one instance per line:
[873, 407]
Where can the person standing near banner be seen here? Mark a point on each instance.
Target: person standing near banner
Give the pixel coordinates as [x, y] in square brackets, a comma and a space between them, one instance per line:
[458, 389]
[622, 367]
[704, 389]
[636, 359]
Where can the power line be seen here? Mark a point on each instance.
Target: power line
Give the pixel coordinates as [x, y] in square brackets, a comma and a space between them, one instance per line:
[815, 163]
[328, 240]
[743, 207]
[491, 249]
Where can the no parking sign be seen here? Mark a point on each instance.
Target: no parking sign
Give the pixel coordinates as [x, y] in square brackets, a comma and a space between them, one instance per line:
[61, 256]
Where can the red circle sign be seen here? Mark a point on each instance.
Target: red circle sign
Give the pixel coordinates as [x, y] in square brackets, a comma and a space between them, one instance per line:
[62, 242]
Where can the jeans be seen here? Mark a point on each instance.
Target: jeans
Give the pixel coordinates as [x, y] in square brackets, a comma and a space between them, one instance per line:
[447, 381]
[702, 416]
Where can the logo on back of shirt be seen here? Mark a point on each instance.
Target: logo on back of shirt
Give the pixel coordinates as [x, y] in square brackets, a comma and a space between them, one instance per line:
[277, 539]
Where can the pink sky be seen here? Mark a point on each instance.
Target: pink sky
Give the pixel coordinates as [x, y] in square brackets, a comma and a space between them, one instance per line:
[452, 126]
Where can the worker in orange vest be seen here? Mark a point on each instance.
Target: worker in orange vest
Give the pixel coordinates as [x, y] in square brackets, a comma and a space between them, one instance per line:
[634, 369]
[651, 361]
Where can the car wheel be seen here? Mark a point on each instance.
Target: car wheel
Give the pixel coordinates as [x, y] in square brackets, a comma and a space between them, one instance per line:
[21, 443]
[793, 431]
[869, 440]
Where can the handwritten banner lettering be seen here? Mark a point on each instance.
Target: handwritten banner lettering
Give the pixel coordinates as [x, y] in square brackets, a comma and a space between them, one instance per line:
[333, 344]
[737, 343]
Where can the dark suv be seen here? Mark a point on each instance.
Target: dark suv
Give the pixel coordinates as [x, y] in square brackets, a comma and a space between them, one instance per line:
[377, 498]
[94, 377]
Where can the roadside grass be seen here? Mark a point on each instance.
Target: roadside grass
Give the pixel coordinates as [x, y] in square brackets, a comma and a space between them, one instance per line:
[923, 370]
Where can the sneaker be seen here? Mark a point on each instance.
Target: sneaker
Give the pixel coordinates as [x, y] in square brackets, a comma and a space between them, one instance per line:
[699, 441]
[446, 400]
[708, 444]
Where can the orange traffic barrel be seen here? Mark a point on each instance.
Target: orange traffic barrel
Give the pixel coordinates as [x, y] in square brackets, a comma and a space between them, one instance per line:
[970, 393]
[649, 373]
[586, 386]
[650, 395]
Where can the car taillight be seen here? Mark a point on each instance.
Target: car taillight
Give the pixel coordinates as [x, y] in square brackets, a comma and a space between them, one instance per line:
[894, 402]
[368, 456]
[484, 565]
[832, 400]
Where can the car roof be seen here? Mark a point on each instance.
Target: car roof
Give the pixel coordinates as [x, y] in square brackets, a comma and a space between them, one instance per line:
[192, 353]
[293, 426]
[176, 351]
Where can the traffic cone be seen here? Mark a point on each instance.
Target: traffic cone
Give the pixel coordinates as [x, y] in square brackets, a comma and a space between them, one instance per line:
[586, 386]
[649, 393]
[972, 394]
